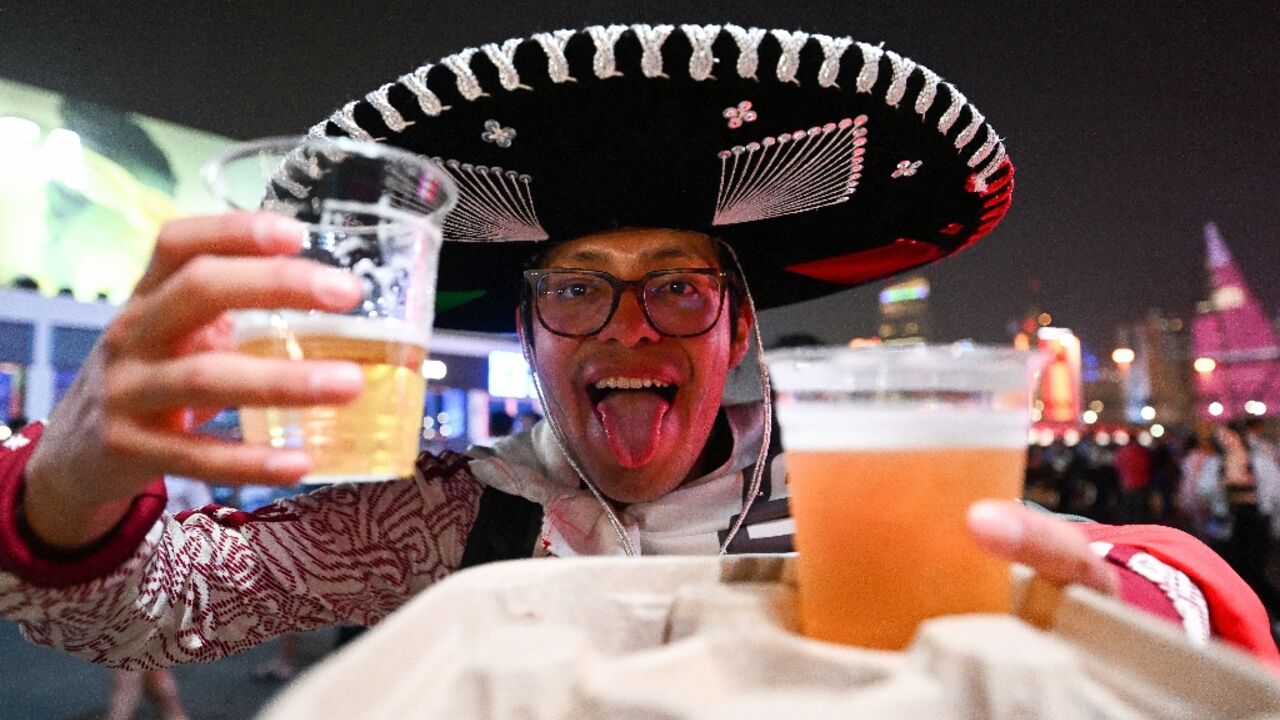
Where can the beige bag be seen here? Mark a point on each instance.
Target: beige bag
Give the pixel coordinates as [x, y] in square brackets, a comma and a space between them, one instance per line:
[713, 638]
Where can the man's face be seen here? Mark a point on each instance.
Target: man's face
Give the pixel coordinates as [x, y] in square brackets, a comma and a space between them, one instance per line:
[637, 443]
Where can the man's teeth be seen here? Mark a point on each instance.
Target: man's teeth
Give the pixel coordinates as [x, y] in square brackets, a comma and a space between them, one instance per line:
[626, 383]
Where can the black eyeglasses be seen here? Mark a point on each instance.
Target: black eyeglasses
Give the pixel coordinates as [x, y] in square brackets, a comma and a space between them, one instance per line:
[578, 303]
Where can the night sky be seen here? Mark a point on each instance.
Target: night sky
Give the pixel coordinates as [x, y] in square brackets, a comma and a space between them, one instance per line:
[1130, 128]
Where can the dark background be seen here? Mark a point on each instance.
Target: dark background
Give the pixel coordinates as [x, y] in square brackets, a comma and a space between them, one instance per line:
[1131, 124]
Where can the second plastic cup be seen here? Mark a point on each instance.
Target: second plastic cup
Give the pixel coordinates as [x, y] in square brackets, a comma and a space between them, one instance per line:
[887, 447]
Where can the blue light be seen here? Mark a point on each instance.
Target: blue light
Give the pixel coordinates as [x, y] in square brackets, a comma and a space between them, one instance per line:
[509, 375]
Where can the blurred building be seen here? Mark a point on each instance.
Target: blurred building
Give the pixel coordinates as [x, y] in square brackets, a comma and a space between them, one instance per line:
[1158, 385]
[904, 311]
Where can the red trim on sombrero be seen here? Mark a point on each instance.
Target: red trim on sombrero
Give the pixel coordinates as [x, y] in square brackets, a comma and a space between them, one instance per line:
[996, 200]
[860, 267]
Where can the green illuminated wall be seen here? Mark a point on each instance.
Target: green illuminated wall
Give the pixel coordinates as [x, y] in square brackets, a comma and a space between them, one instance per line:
[84, 188]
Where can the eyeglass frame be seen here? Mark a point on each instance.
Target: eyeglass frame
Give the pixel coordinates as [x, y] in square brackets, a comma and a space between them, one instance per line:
[533, 276]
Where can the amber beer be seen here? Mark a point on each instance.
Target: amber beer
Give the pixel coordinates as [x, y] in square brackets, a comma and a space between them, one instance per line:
[882, 539]
[376, 436]
[886, 450]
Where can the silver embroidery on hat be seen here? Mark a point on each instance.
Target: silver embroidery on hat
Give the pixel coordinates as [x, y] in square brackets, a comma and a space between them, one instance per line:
[928, 92]
[971, 129]
[980, 179]
[832, 50]
[701, 67]
[318, 130]
[906, 168]
[986, 148]
[503, 58]
[494, 205]
[953, 110]
[292, 186]
[651, 40]
[553, 45]
[345, 119]
[309, 163]
[789, 62]
[902, 68]
[702, 61]
[498, 135]
[390, 116]
[790, 173]
[870, 66]
[605, 63]
[305, 163]
[748, 41]
[460, 64]
[416, 81]
[739, 114]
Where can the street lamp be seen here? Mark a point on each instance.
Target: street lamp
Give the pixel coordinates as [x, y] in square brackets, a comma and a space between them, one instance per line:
[1204, 365]
[1123, 357]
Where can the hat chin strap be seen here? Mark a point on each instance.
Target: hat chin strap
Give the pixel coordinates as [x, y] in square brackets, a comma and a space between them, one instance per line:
[555, 411]
[766, 401]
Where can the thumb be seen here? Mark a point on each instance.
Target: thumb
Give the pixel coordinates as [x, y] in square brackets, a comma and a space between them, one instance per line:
[1054, 548]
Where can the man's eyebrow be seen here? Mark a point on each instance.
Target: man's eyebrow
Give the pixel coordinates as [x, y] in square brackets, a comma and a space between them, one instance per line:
[669, 253]
[584, 256]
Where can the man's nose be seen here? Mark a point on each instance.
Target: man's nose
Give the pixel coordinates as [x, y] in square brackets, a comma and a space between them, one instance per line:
[629, 325]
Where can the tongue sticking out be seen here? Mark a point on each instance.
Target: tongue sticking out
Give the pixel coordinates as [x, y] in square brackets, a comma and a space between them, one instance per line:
[632, 421]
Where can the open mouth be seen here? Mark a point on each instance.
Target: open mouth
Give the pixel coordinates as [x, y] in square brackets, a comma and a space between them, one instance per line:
[631, 411]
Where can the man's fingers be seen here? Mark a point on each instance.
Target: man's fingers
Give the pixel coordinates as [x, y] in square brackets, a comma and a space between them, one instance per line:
[230, 379]
[218, 335]
[1052, 547]
[209, 286]
[257, 234]
[204, 457]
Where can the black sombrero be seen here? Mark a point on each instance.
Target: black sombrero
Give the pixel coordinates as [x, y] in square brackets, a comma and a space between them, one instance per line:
[824, 162]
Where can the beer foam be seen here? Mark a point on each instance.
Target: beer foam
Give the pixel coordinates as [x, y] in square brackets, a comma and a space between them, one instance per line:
[256, 324]
[860, 426]
[960, 367]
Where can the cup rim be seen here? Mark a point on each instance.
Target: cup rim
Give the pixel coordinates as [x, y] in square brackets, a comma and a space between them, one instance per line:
[953, 367]
[212, 178]
[963, 350]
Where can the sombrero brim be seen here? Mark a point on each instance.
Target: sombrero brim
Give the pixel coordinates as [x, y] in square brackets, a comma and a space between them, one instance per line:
[824, 162]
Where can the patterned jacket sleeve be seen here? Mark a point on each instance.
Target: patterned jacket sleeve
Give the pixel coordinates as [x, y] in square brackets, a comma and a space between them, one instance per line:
[214, 581]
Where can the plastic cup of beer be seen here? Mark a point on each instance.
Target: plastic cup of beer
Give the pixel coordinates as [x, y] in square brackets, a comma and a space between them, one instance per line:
[375, 211]
[886, 449]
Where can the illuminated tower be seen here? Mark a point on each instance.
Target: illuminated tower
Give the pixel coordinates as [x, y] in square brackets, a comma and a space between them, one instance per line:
[1237, 357]
[904, 311]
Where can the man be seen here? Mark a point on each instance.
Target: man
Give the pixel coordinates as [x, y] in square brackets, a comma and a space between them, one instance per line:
[653, 172]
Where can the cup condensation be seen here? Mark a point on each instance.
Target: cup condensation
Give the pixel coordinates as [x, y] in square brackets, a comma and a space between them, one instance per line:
[886, 449]
[376, 212]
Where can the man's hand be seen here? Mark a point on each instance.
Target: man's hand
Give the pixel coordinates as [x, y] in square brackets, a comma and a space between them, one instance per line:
[1055, 549]
[167, 361]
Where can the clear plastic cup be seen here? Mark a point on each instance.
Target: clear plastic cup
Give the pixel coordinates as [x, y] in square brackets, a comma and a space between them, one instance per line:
[886, 449]
[375, 211]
